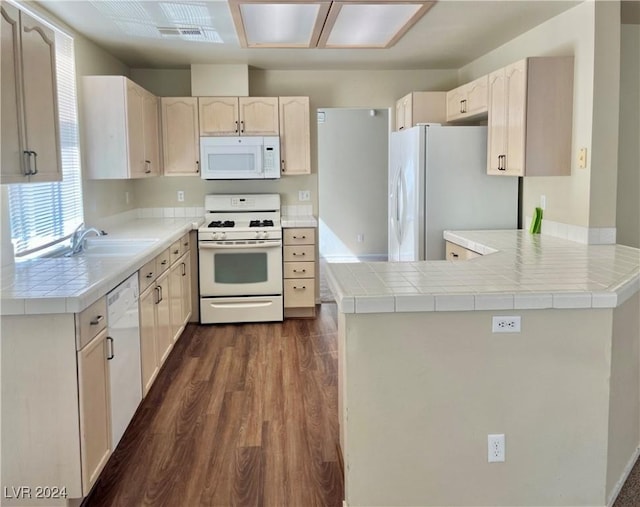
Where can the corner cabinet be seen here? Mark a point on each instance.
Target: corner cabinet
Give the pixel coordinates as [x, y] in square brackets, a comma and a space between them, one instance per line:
[468, 101]
[295, 136]
[530, 118]
[238, 116]
[420, 107]
[180, 136]
[120, 129]
[299, 271]
[30, 128]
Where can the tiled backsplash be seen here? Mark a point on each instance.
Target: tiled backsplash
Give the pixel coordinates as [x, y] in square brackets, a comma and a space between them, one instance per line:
[296, 210]
[577, 233]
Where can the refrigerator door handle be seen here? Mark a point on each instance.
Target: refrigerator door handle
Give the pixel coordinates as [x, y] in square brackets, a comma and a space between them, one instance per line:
[399, 204]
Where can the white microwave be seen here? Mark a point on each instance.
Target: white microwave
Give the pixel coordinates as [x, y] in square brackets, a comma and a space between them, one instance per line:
[239, 158]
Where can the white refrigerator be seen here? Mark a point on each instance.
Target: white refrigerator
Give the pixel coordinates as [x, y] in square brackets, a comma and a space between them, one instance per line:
[438, 182]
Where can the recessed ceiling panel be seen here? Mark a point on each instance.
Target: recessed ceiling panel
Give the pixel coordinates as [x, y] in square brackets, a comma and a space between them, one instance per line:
[373, 24]
[261, 23]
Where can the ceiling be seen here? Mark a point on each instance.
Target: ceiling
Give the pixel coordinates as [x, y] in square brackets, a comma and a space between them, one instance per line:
[452, 34]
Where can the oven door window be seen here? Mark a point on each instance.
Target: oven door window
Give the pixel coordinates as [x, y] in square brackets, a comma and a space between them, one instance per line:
[240, 268]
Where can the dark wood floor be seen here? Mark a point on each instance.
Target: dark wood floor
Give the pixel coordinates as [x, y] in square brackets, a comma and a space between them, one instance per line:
[242, 414]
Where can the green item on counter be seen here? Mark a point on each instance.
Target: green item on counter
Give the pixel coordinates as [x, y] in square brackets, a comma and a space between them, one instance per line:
[536, 222]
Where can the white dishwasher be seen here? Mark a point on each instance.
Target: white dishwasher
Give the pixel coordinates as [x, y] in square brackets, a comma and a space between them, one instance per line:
[124, 355]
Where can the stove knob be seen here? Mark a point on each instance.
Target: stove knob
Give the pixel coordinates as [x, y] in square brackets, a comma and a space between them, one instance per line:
[265, 235]
[257, 234]
[223, 235]
[215, 236]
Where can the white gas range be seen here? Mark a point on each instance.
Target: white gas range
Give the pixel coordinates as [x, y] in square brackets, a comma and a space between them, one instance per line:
[240, 259]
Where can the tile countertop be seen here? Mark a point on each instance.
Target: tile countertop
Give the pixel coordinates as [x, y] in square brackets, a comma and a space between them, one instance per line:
[517, 271]
[289, 221]
[71, 284]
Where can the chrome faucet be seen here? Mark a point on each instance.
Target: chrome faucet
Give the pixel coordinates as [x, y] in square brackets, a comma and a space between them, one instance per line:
[79, 235]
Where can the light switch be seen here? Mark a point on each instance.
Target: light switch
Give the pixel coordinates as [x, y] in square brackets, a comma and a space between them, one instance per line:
[582, 158]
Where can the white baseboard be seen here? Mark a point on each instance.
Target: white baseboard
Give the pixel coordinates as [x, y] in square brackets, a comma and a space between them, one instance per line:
[625, 475]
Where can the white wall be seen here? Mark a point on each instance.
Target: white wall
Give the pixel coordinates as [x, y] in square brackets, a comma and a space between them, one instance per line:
[628, 204]
[352, 183]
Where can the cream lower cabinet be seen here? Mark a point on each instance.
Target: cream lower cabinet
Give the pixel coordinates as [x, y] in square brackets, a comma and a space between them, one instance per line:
[30, 131]
[56, 422]
[456, 252]
[299, 271]
[295, 137]
[95, 408]
[530, 118]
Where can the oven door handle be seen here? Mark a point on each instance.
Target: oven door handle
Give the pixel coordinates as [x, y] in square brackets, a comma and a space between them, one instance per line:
[218, 246]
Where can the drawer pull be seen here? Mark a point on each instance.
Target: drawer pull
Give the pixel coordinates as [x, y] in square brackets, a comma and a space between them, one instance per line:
[150, 275]
[299, 288]
[97, 320]
[111, 353]
[299, 237]
[163, 262]
[299, 270]
[176, 252]
[296, 254]
[186, 243]
[454, 255]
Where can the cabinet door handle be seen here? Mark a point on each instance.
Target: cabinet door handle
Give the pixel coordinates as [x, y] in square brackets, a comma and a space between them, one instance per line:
[147, 166]
[111, 349]
[26, 163]
[97, 320]
[184, 269]
[463, 106]
[236, 126]
[161, 294]
[35, 163]
[282, 165]
[454, 255]
[197, 166]
[242, 126]
[157, 291]
[502, 162]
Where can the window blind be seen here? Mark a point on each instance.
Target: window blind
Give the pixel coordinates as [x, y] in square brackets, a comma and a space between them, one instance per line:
[43, 214]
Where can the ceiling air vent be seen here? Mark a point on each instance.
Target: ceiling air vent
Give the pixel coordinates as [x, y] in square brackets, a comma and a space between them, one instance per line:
[177, 31]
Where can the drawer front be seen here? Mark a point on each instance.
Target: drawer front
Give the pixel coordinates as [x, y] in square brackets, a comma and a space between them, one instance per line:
[306, 236]
[91, 321]
[299, 253]
[299, 269]
[147, 275]
[163, 261]
[299, 293]
[175, 250]
[458, 253]
[185, 242]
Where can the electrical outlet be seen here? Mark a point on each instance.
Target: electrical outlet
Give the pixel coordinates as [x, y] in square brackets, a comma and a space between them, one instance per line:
[127, 197]
[501, 324]
[180, 195]
[495, 448]
[304, 195]
[543, 202]
[360, 238]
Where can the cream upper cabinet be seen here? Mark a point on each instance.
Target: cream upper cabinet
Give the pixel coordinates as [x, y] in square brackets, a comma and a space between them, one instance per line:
[530, 118]
[420, 107]
[219, 116]
[295, 137]
[121, 129]
[469, 100]
[180, 136]
[259, 116]
[30, 130]
[238, 116]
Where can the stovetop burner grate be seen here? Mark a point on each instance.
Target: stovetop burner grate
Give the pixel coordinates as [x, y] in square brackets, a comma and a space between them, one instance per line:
[261, 223]
[220, 223]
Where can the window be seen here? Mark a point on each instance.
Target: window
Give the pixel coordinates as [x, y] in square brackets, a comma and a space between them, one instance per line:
[43, 214]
